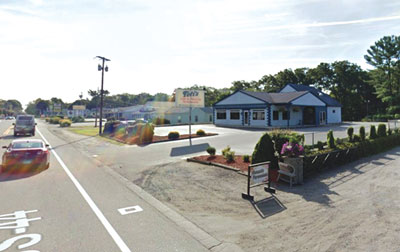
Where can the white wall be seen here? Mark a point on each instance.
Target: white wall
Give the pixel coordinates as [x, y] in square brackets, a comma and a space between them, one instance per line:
[296, 118]
[287, 89]
[228, 120]
[334, 117]
[258, 123]
[308, 100]
[279, 122]
[239, 98]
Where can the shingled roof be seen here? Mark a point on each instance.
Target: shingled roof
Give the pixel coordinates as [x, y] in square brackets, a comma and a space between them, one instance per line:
[324, 97]
[276, 98]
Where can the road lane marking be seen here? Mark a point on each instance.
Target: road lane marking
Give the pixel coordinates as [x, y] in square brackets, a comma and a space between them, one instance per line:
[129, 210]
[7, 131]
[117, 239]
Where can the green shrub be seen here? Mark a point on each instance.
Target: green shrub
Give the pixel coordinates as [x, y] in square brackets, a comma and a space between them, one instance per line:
[389, 132]
[77, 119]
[55, 120]
[265, 151]
[246, 158]
[331, 140]
[397, 116]
[362, 133]
[200, 132]
[350, 132]
[381, 130]
[280, 137]
[145, 132]
[320, 145]
[339, 140]
[372, 133]
[396, 130]
[229, 156]
[173, 135]
[65, 123]
[227, 149]
[47, 119]
[211, 150]
[356, 138]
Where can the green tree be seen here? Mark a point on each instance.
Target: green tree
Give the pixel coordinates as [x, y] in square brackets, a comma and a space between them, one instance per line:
[384, 56]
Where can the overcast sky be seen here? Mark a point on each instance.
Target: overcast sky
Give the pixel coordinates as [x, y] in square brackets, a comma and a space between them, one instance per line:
[47, 48]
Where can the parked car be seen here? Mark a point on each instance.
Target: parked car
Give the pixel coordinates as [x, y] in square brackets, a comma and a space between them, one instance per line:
[25, 155]
[10, 118]
[24, 124]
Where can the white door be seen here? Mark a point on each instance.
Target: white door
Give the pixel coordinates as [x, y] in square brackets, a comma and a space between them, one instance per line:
[322, 117]
[246, 117]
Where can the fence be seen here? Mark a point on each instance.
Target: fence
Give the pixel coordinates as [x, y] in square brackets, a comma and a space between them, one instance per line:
[311, 138]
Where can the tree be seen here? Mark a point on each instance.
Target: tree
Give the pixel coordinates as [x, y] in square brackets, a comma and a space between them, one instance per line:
[384, 56]
[41, 106]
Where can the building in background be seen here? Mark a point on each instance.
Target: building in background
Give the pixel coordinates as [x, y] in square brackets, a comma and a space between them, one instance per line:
[293, 106]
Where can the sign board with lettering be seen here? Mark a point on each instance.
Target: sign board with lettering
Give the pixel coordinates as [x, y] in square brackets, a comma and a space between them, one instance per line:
[260, 173]
[189, 98]
[78, 107]
[57, 107]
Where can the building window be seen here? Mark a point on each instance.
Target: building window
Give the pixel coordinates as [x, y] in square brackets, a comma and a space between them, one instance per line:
[196, 118]
[333, 111]
[210, 118]
[285, 115]
[235, 114]
[275, 115]
[258, 115]
[221, 114]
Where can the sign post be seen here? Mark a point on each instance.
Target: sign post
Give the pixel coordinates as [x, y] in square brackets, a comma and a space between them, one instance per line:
[259, 174]
[189, 98]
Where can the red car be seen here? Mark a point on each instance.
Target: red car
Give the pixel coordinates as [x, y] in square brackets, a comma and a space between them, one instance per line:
[24, 155]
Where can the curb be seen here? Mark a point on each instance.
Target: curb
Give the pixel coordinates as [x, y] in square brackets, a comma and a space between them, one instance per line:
[238, 171]
[192, 229]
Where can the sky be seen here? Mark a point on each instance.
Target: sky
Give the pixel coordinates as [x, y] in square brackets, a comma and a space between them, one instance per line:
[48, 48]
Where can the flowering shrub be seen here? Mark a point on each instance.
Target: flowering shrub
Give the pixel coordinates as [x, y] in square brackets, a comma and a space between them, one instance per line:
[292, 150]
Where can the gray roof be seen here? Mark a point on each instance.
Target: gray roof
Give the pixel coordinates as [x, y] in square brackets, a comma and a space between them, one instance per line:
[322, 96]
[276, 98]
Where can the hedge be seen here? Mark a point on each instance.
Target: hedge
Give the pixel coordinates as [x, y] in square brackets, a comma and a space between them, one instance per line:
[65, 123]
[173, 135]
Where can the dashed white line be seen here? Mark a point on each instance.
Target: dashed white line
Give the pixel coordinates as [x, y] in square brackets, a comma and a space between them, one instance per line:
[117, 239]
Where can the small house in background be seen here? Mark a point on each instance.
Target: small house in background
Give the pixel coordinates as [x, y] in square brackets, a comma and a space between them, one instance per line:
[294, 106]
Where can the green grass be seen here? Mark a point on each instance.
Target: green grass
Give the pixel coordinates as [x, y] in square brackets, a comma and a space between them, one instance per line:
[91, 131]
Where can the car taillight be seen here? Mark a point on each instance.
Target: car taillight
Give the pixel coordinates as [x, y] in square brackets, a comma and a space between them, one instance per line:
[39, 152]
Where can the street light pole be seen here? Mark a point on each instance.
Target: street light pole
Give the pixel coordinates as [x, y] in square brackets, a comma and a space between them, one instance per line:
[102, 90]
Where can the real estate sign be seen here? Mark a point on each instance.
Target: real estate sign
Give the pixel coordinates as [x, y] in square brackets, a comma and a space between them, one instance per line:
[260, 173]
[189, 98]
[78, 107]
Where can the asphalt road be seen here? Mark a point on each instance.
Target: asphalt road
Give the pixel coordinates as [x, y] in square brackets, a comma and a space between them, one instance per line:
[74, 206]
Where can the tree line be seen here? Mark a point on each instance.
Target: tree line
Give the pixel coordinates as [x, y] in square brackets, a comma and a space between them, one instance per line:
[362, 93]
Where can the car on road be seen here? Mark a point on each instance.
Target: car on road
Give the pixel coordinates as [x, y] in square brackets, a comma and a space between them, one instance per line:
[10, 118]
[25, 154]
[24, 124]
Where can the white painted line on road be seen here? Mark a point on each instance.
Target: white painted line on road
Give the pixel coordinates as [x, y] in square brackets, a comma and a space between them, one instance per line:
[129, 210]
[117, 239]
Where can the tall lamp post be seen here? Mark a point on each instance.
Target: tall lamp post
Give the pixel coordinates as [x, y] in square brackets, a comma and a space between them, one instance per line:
[102, 68]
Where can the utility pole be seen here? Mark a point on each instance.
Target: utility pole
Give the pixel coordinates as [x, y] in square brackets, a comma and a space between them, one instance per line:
[101, 68]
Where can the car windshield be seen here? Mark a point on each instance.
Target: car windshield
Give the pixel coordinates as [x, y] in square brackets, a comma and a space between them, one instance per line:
[24, 122]
[27, 145]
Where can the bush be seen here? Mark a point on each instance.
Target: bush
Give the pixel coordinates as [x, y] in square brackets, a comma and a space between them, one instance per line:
[331, 140]
[265, 151]
[372, 133]
[65, 123]
[47, 119]
[397, 116]
[381, 130]
[145, 132]
[200, 132]
[161, 121]
[362, 133]
[110, 127]
[229, 156]
[320, 145]
[280, 137]
[173, 135]
[356, 138]
[77, 119]
[389, 132]
[55, 120]
[350, 132]
[211, 150]
[396, 130]
[227, 149]
[246, 158]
